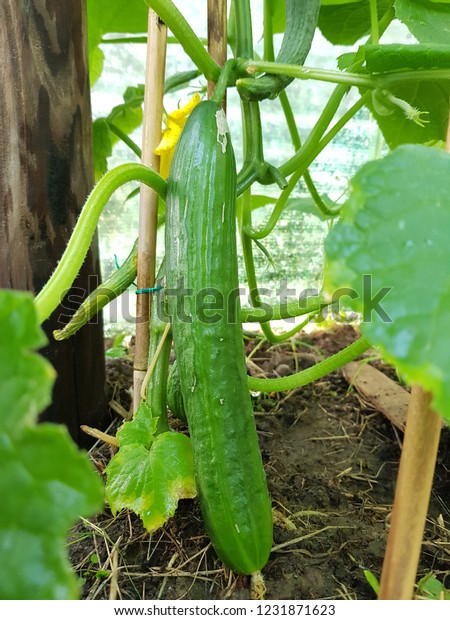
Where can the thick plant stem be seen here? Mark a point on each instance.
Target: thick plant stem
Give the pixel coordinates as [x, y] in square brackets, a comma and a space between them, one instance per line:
[148, 209]
[311, 73]
[412, 496]
[299, 379]
[189, 41]
[374, 22]
[68, 267]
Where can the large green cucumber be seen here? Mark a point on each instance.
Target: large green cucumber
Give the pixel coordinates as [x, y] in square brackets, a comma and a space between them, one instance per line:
[201, 258]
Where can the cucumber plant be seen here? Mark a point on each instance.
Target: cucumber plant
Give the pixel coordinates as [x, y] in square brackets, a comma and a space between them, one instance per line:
[394, 217]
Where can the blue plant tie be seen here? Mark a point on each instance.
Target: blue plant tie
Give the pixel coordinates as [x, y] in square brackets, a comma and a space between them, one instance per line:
[155, 289]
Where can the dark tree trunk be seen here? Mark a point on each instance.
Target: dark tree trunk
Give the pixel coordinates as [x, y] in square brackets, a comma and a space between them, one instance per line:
[46, 173]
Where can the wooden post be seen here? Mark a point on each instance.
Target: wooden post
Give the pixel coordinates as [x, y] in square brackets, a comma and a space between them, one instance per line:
[46, 173]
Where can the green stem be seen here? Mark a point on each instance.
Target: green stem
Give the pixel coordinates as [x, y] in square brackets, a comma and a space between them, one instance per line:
[254, 168]
[251, 273]
[222, 82]
[314, 145]
[318, 371]
[277, 338]
[189, 41]
[381, 80]
[125, 138]
[68, 267]
[269, 52]
[296, 143]
[311, 73]
[288, 310]
[179, 80]
[388, 80]
[374, 22]
[156, 389]
[326, 210]
[310, 145]
[340, 124]
[290, 120]
[276, 213]
[244, 33]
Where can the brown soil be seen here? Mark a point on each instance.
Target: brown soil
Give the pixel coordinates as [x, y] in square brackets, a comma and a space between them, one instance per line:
[331, 464]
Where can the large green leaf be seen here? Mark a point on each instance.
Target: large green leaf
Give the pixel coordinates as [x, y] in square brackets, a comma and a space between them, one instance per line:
[428, 21]
[105, 16]
[394, 233]
[25, 378]
[151, 480]
[344, 24]
[46, 483]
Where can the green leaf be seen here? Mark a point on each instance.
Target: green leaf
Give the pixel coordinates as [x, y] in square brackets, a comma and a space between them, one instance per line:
[428, 21]
[118, 340]
[344, 24]
[103, 143]
[152, 481]
[25, 378]
[126, 117]
[96, 61]
[117, 352]
[141, 429]
[105, 16]
[394, 233]
[372, 581]
[303, 204]
[432, 589]
[46, 483]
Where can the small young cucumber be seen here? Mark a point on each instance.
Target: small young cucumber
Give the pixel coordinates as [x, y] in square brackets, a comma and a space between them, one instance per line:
[203, 300]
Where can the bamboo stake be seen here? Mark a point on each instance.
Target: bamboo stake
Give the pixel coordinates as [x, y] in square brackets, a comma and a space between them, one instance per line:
[412, 497]
[412, 492]
[217, 34]
[148, 210]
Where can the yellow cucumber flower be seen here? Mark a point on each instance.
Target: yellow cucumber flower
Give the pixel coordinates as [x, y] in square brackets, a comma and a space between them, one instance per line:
[175, 123]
